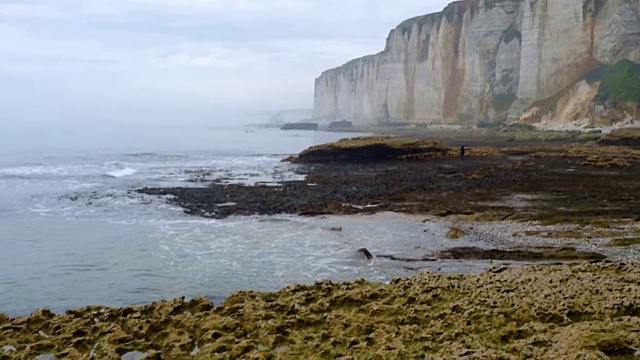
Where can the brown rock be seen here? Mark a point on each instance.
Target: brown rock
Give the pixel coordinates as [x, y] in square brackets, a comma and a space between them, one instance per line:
[455, 233]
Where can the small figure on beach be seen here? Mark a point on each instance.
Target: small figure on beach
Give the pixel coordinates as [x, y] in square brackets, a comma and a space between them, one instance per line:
[462, 152]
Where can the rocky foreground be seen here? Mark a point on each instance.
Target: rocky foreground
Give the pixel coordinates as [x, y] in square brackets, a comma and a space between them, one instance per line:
[587, 311]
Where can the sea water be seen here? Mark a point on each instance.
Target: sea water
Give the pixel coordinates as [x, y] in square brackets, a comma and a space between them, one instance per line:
[74, 233]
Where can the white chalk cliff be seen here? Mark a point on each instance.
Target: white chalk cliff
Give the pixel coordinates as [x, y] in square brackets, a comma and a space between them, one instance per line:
[483, 62]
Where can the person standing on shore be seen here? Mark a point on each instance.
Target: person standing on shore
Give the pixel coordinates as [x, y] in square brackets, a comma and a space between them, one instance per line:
[462, 152]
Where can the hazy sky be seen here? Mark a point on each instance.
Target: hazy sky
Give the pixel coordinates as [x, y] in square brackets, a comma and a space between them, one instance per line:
[116, 59]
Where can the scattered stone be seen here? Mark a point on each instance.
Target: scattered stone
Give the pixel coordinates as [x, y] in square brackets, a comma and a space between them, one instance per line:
[455, 233]
[195, 351]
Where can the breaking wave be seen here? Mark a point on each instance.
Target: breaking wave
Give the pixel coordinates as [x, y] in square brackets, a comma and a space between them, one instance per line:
[121, 172]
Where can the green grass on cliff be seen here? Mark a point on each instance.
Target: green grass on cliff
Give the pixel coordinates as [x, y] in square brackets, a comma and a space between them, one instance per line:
[619, 82]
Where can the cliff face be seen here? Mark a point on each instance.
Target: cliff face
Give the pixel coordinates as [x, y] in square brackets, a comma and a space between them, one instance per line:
[480, 61]
[605, 96]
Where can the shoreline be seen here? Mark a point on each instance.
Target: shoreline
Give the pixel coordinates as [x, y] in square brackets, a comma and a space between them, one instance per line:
[569, 203]
[563, 311]
[401, 245]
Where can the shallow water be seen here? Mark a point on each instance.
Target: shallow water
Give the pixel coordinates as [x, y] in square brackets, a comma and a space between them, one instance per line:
[73, 233]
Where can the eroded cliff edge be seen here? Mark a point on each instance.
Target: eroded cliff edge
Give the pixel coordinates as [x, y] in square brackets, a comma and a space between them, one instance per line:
[490, 61]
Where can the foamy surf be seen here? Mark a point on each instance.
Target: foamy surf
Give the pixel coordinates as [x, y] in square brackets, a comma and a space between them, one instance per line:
[62, 208]
[121, 172]
[29, 171]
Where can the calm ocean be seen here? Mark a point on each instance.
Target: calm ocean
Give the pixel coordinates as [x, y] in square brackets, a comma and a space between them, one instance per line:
[73, 234]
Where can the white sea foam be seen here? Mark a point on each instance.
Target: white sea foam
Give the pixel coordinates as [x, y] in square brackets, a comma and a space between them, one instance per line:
[121, 172]
[26, 171]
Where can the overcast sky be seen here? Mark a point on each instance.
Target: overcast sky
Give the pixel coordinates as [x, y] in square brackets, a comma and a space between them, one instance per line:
[107, 59]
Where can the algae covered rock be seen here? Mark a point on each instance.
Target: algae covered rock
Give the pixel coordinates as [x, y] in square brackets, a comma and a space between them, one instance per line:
[624, 242]
[455, 233]
[534, 254]
[624, 137]
[576, 311]
[368, 149]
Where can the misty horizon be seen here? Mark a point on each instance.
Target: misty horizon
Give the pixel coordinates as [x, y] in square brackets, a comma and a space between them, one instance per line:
[149, 61]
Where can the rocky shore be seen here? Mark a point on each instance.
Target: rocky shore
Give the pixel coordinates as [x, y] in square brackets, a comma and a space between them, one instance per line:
[537, 200]
[545, 183]
[585, 311]
[533, 202]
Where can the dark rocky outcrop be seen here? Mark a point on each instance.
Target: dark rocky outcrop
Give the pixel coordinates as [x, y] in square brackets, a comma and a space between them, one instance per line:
[300, 126]
[535, 254]
[622, 137]
[372, 149]
[563, 183]
[340, 125]
[366, 253]
[407, 259]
